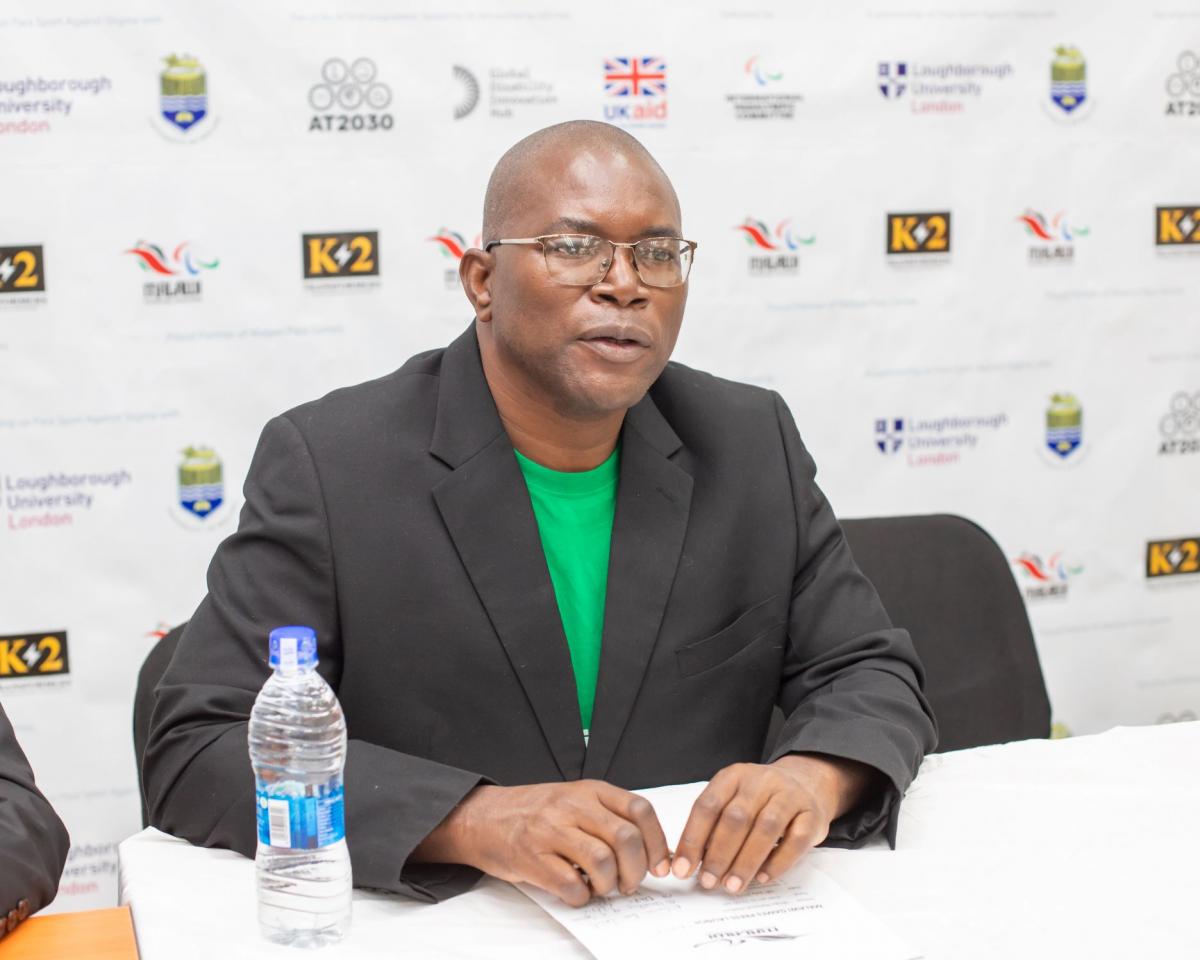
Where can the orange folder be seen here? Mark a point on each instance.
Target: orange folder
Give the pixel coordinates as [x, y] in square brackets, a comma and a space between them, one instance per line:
[95, 934]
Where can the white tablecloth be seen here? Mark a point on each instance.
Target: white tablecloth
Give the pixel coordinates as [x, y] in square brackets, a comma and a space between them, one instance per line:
[1087, 847]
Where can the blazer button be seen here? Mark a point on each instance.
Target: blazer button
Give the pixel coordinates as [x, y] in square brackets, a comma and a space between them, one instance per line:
[22, 910]
[12, 920]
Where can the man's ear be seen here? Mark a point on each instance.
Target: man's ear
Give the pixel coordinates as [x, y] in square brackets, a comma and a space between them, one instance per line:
[475, 273]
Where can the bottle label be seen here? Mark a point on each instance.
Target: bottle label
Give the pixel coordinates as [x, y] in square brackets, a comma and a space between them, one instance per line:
[299, 817]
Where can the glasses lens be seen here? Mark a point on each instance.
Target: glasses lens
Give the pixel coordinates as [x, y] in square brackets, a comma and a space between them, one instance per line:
[576, 259]
[663, 261]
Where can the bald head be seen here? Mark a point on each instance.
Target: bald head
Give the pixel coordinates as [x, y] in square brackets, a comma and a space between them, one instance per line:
[522, 171]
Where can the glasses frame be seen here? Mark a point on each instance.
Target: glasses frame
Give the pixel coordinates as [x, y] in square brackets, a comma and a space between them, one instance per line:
[613, 245]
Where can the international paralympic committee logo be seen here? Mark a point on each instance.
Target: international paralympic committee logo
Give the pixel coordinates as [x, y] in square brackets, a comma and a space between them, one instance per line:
[1052, 239]
[184, 110]
[774, 251]
[174, 275]
[635, 90]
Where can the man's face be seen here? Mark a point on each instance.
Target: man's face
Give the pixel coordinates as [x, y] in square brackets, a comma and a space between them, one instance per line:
[594, 350]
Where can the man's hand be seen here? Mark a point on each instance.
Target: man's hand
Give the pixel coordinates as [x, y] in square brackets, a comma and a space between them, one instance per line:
[546, 833]
[754, 821]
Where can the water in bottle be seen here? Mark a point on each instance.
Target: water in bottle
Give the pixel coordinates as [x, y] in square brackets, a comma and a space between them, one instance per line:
[298, 749]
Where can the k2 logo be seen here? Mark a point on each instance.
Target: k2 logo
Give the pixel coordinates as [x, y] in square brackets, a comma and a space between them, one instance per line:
[1175, 225]
[341, 254]
[912, 233]
[22, 269]
[1169, 558]
[33, 655]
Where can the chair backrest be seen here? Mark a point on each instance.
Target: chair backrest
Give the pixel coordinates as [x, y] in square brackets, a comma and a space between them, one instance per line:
[153, 667]
[946, 581]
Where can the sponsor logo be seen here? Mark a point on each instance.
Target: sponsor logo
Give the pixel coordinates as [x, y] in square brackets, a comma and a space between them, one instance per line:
[1064, 425]
[918, 236]
[452, 245]
[36, 105]
[55, 499]
[1069, 100]
[174, 277]
[39, 654]
[934, 441]
[1052, 238]
[184, 112]
[22, 275]
[341, 261]
[1180, 425]
[635, 89]
[762, 97]
[1183, 86]
[349, 98]
[774, 252]
[200, 491]
[932, 88]
[470, 92]
[1173, 558]
[1177, 226]
[1046, 579]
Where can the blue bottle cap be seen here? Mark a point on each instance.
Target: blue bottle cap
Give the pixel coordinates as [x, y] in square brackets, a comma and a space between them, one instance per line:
[292, 648]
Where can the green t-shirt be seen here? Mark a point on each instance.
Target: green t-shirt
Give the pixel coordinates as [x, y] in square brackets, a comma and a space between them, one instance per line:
[574, 514]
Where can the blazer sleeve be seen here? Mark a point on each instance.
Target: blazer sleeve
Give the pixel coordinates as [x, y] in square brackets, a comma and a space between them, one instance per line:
[33, 840]
[852, 683]
[276, 569]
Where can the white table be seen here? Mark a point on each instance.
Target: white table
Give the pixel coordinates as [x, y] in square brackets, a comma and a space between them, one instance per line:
[1087, 847]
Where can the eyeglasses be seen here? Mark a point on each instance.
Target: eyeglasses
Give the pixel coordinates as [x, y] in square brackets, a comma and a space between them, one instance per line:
[581, 260]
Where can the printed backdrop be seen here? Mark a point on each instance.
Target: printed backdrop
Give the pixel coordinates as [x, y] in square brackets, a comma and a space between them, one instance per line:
[962, 241]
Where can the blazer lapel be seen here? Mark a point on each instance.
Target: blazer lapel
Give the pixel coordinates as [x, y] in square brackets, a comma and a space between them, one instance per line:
[485, 505]
[654, 497]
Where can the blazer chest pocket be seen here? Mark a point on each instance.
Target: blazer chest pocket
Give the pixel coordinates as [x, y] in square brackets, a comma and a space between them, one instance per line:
[705, 654]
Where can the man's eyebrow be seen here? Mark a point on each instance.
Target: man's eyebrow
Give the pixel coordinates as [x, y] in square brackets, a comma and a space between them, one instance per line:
[589, 226]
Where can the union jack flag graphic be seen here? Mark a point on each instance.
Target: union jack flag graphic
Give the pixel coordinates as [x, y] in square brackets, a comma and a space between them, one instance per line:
[635, 77]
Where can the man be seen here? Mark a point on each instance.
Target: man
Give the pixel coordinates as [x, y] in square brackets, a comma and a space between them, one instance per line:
[33, 840]
[546, 568]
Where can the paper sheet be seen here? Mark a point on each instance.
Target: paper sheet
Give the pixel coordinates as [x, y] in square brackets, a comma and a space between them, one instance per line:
[802, 911]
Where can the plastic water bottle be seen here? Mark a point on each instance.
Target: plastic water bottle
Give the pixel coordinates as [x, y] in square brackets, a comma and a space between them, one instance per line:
[298, 750]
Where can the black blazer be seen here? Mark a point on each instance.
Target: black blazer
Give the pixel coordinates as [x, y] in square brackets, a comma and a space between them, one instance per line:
[33, 840]
[393, 518]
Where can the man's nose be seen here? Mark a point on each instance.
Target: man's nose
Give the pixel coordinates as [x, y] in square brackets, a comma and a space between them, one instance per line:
[621, 284]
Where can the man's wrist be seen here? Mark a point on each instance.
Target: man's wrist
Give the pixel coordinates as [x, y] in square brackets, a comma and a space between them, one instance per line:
[451, 840]
[839, 784]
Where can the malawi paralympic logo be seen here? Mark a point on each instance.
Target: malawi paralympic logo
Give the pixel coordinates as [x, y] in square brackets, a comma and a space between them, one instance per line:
[1053, 239]
[170, 276]
[1049, 578]
[773, 252]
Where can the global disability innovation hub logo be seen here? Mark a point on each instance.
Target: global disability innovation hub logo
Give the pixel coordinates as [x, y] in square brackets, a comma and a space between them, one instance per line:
[934, 441]
[509, 92]
[22, 276]
[1183, 86]
[184, 111]
[773, 251]
[349, 98]
[1179, 427]
[173, 274]
[1052, 239]
[635, 91]
[763, 95]
[931, 87]
[1046, 579]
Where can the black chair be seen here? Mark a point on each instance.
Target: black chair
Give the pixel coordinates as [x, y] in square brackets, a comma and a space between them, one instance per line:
[946, 581]
[153, 667]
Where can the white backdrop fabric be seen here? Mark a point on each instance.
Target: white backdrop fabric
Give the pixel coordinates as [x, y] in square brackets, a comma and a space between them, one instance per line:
[962, 241]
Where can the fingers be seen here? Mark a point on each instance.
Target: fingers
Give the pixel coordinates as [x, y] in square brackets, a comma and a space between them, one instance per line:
[560, 879]
[804, 833]
[732, 832]
[706, 811]
[771, 824]
[624, 842]
[640, 812]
